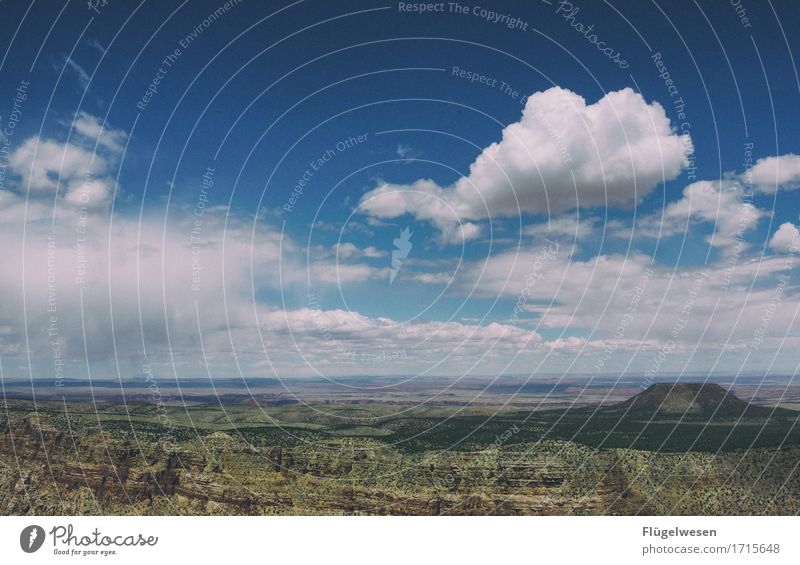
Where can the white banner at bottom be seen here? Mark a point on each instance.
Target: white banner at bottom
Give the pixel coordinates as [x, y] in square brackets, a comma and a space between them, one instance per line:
[389, 540]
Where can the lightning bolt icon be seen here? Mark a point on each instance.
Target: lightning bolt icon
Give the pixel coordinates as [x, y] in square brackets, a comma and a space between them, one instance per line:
[34, 535]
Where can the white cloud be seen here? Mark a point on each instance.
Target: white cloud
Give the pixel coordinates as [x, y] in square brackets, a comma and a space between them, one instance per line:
[786, 239]
[14, 207]
[41, 163]
[771, 174]
[374, 253]
[331, 272]
[136, 281]
[349, 251]
[360, 331]
[95, 131]
[716, 202]
[81, 174]
[426, 201]
[346, 250]
[570, 227]
[706, 307]
[432, 278]
[562, 154]
[124, 285]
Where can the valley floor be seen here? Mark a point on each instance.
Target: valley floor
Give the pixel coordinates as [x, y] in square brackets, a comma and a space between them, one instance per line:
[82, 461]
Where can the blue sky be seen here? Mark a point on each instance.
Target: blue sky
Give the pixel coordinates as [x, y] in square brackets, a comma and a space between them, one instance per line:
[373, 105]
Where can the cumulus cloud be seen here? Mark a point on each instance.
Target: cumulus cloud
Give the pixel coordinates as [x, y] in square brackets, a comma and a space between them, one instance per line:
[426, 201]
[562, 154]
[41, 163]
[716, 202]
[723, 203]
[771, 174]
[786, 239]
[78, 170]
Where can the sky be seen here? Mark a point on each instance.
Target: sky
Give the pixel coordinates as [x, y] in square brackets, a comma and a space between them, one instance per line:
[328, 189]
